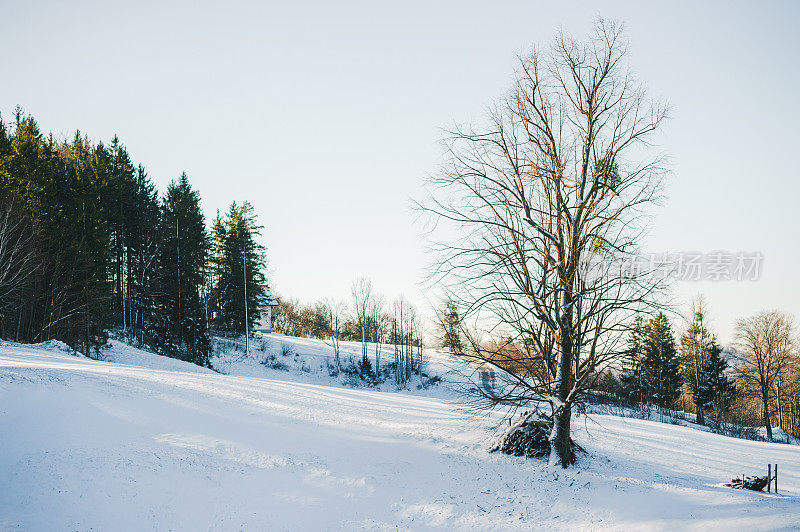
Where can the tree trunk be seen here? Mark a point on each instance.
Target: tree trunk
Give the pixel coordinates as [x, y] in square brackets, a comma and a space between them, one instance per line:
[698, 407]
[561, 453]
[560, 450]
[767, 422]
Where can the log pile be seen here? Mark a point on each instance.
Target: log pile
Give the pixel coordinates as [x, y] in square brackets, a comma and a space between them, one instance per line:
[749, 483]
[529, 437]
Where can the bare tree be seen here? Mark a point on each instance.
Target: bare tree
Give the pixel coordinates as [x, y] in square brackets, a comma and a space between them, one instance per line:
[361, 292]
[17, 253]
[286, 316]
[405, 334]
[788, 396]
[765, 343]
[560, 179]
[334, 312]
[379, 322]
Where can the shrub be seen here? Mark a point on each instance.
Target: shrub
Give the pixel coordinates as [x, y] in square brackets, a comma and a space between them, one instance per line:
[272, 362]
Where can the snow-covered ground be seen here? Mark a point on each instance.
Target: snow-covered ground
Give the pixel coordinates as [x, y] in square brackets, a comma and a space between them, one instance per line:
[151, 443]
[276, 356]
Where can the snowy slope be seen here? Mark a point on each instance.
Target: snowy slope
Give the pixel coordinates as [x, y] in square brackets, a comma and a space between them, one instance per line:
[122, 446]
[307, 360]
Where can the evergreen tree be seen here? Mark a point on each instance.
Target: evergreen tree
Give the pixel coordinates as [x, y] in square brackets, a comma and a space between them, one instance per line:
[120, 202]
[716, 389]
[695, 347]
[108, 252]
[238, 270]
[631, 378]
[180, 325]
[92, 250]
[451, 328]
[661, 367]
[143, 242]
[651, 369]
[61, 187]
[131, 203]
[216, 267]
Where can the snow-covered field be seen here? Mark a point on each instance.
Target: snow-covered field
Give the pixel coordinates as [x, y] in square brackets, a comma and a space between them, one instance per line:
[145, 442]
[308, 360]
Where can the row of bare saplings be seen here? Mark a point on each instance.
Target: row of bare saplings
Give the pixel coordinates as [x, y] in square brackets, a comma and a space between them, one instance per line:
[390, 334]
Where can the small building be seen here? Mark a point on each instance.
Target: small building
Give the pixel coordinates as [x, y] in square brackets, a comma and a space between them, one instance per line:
[266, 303]
[487, 377]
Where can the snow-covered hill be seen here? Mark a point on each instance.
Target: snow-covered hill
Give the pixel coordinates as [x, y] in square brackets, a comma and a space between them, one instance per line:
[152, 443]
[276, 356]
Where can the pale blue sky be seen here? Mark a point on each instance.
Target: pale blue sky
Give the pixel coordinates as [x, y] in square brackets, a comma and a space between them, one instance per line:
[326, 115]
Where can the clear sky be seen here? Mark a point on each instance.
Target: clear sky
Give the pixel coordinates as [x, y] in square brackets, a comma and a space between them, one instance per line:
[326, 115]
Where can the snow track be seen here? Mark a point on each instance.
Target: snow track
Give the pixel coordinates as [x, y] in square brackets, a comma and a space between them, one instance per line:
[166, 445]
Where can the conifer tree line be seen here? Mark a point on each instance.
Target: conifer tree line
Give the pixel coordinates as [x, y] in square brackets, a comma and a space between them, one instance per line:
[755, 381]
[87, 245]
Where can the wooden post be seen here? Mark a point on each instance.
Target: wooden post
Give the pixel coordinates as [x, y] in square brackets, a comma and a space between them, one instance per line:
[776, 478]
[769, 477]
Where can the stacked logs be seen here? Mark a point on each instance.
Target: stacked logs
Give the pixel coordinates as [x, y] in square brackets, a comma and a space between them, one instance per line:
[529, 436]
[749, 483]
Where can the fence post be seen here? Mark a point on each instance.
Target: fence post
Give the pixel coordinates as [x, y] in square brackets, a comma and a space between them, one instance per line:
[776, 478]
[769, 477]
